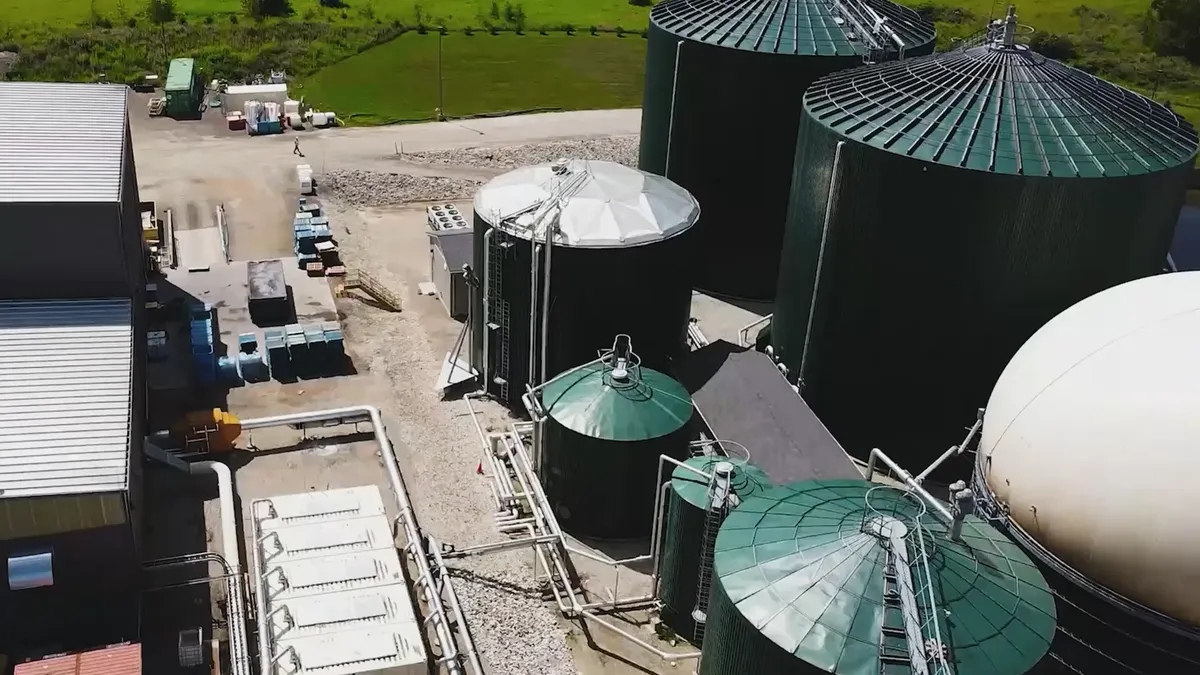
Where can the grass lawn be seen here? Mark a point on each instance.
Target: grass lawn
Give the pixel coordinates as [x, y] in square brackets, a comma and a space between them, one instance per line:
[451, 13]
[482, 73]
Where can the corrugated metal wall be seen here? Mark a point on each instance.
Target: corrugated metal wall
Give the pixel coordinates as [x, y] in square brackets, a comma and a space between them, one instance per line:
[933, 277]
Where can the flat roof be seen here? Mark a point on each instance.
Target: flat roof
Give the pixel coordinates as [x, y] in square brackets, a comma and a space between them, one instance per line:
[334, 584]
[242, 89]
[742, 397]
[65, 396]
[62, 142]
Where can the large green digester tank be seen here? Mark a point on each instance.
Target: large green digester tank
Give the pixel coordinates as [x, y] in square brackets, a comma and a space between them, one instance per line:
[606, 424]
[722, 105]
[853, 578]
[943, 209]
[684, 536]
[618, 259]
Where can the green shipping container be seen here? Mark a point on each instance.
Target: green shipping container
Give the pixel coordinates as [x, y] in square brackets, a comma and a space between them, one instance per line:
[184, 88]
[683, 537]
[802, 586]
[722, 105]
[605, 430]
[978, 193]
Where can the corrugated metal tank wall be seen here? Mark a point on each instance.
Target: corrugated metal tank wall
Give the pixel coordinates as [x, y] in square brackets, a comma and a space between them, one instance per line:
[596, 294]
[934, 275]
[735, 106]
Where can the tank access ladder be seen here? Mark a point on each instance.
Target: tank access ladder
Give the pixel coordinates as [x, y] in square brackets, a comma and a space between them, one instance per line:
[721, 500]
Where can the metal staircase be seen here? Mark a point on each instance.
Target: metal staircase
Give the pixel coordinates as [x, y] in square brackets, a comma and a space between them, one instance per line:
[370, 286]
[721, 500]
[861, 22]
[498, 327]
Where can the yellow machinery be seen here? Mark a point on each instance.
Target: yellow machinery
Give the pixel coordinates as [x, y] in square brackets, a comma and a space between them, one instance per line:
[204, 431]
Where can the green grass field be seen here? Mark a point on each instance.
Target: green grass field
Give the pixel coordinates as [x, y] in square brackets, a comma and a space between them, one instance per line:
[482, 73]
[451, 13]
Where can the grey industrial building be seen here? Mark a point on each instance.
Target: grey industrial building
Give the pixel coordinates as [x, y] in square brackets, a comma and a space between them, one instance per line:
[72, 349]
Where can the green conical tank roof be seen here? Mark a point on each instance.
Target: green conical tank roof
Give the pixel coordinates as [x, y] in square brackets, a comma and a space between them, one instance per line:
[748, 480]
[643, 405]
[802, 565]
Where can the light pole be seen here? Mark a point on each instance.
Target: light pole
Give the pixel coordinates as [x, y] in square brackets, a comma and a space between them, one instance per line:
[441, 108]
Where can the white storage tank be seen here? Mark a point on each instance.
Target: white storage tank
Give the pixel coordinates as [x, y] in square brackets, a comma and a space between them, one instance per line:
[1090, 448]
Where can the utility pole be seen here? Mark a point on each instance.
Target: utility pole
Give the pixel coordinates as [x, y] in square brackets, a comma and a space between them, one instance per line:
[441, 102]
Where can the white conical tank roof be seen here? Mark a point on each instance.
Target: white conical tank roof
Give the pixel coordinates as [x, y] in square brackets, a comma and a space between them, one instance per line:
[1092, 439]
[608, 205]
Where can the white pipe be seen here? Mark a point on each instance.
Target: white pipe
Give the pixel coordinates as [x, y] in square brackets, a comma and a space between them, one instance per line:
[744, 331]
[954, 449]
[533, 306]
[485, 368]
[666, 656]
[239, 648]
[835, 181]
[907, 479]
[549, 247]
[472, 652]
[405, 516]
[671, 119]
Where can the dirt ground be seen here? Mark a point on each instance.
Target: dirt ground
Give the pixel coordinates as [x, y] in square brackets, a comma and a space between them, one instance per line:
[191, 167]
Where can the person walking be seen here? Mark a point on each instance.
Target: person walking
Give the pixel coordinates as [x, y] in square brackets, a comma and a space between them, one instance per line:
[296, 147]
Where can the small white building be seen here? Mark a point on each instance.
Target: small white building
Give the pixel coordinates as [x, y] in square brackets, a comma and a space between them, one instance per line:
[235, 96]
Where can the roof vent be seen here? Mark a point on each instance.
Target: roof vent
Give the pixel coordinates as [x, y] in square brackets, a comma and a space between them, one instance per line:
[624, 367]
[561, 166]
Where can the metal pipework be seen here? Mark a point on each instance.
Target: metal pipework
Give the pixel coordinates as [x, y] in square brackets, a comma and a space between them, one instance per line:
[486, 294]
[835, 182]
[549, 248]
[671, 119]
[533, 303]
[239, 647]
[744, 331]
[406, 518]
[907, 478]
[954, 450]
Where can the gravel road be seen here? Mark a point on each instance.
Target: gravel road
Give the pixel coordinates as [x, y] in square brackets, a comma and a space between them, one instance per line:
[620, 149]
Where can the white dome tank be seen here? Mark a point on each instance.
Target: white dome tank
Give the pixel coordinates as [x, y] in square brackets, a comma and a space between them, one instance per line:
[1092, 439]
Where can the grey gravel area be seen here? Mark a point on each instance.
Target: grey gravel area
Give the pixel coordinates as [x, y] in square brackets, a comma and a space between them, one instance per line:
[516, 633]
[372, 188]
[619, 149]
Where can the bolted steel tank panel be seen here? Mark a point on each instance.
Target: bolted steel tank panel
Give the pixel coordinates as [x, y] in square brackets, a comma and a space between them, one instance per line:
[855, 578]
[606, 425]
[721, 108]
[944, 208]
[619, 265]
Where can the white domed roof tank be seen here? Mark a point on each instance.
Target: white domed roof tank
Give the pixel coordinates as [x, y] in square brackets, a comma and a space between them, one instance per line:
[1090, 450]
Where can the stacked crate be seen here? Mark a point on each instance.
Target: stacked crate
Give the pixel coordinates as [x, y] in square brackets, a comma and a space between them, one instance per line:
[335, 346]
[308, 231]
[250, 361]
[204, 357]
[278, 361]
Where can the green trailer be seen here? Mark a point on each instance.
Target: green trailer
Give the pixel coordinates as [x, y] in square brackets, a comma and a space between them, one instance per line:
[184, 90]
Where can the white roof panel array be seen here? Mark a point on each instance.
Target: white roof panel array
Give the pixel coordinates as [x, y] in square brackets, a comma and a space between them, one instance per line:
[65, 396]
[61, 142]
[334, 586]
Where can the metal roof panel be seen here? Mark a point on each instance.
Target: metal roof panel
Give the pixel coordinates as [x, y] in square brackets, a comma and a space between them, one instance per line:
[65, 396]
[61, 142]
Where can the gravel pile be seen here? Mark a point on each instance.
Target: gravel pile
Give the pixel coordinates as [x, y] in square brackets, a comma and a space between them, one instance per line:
[619, 149]
[439, 449]
[370, 188]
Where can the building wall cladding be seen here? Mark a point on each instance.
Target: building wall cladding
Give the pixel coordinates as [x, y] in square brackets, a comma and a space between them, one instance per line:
[94, 599]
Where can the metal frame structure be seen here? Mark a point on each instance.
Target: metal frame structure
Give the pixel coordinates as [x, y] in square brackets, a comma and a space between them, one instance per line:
[432, 581]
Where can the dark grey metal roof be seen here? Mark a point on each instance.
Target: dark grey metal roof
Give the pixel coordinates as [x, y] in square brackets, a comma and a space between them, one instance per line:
[61, 142]
[265, 279]
[457, 247]
[65, 396]
[742, 397]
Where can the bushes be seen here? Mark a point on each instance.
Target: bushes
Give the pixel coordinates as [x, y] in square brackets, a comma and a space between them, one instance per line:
[1060, 47]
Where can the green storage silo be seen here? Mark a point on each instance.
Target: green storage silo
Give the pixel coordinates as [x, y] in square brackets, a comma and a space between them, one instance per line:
[605, 426]
[943, 209]
[809, 578]
[620, 264]
[722, 104]
[184, 89]
[683, 537]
